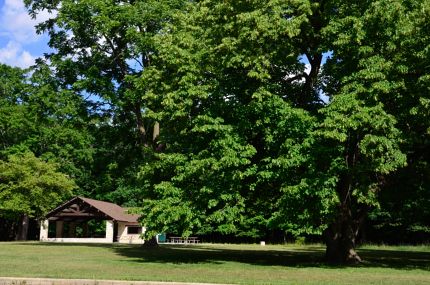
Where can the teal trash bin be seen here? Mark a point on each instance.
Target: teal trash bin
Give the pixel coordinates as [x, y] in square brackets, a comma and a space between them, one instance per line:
[161, 238]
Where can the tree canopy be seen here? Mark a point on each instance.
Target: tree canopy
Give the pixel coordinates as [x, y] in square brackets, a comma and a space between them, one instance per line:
[245, 118]
[30, 186]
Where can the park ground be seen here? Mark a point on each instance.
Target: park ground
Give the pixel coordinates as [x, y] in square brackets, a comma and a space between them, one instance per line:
[214, 263]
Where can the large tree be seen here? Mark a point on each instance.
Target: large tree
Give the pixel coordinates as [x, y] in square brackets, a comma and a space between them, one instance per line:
[249, 144]
[381, 58]
[102, 46]
[39, 116]
[30, 188]
[99, 49]
[228, 103]
[393, 66]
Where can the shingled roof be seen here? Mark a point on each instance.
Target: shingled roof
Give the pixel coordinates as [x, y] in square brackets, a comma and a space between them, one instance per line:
[84, 207]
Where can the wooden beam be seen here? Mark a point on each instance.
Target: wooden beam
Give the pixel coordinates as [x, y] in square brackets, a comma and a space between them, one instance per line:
[79, 215]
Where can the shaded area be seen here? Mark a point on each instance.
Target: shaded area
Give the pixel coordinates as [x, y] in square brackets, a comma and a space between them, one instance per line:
[9, 229]
[398, 259]
[301, 257]
[217, 255]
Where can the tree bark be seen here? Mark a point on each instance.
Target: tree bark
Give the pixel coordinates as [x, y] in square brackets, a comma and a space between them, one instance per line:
[340, 238]
[156, 132]
[140, 125]
[341, 235]
[151, 242]
[23, 228]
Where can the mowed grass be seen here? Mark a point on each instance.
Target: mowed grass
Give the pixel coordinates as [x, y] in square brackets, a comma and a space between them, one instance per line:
[233, 264]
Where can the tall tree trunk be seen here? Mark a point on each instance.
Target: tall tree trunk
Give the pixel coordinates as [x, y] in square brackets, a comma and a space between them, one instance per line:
[340, 238]
[145, 136]
[309, 91]
[341, 235]
[23, 228]
[140, 125]
[151, 242]
[156, 132]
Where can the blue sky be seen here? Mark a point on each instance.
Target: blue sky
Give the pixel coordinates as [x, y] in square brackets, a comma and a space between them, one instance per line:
[19, 43]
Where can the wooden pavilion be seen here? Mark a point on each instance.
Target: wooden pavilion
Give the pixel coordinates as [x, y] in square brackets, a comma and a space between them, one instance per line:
[70, 222]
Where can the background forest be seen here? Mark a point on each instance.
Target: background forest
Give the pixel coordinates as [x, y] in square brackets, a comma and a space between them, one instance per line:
[235, 120]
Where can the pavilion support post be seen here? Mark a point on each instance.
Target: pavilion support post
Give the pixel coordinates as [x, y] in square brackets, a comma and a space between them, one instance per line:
[44, 225]
[59, 226]
[109, 230]
[72, 229]
[85, 228]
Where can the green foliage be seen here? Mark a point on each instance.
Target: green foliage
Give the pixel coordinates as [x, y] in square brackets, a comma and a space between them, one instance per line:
[204, 194]
[38, 116]
[234, 68]
[246, 145]
[229, 125]
[383, 53]
[354, 141]
[31, 186]
[101, 48]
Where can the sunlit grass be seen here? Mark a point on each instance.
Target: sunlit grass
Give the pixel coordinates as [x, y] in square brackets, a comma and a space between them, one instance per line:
[239, 264]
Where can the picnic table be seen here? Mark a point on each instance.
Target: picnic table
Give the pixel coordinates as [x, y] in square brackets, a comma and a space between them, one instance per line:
[183, 240]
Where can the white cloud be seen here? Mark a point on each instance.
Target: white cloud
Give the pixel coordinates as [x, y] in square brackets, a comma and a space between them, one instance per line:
[16, 24]
[13, 54]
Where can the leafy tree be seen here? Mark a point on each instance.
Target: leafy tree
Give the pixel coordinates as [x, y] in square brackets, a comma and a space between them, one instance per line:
[348, 157]
[394, 67]
[14, 124]
[380, 56]
[38, 116]
[246, 145]
[228, 103]
[230, 71]
[100, 48]
[30, 187]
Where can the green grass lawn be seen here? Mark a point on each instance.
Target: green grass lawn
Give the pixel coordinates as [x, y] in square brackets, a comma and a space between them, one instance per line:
[239, 264]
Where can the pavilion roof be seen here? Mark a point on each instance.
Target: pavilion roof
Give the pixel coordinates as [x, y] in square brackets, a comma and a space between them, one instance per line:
[80, 207]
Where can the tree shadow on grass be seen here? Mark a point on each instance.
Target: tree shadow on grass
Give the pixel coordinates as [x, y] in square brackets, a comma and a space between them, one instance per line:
[212, 254]
[399, 259]
[301, 257]
[291, 257]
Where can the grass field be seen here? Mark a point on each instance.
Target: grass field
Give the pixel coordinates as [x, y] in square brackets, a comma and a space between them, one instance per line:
[237, 264]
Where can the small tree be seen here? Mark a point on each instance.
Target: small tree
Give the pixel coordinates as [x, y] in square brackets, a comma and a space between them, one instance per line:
[30, 187]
